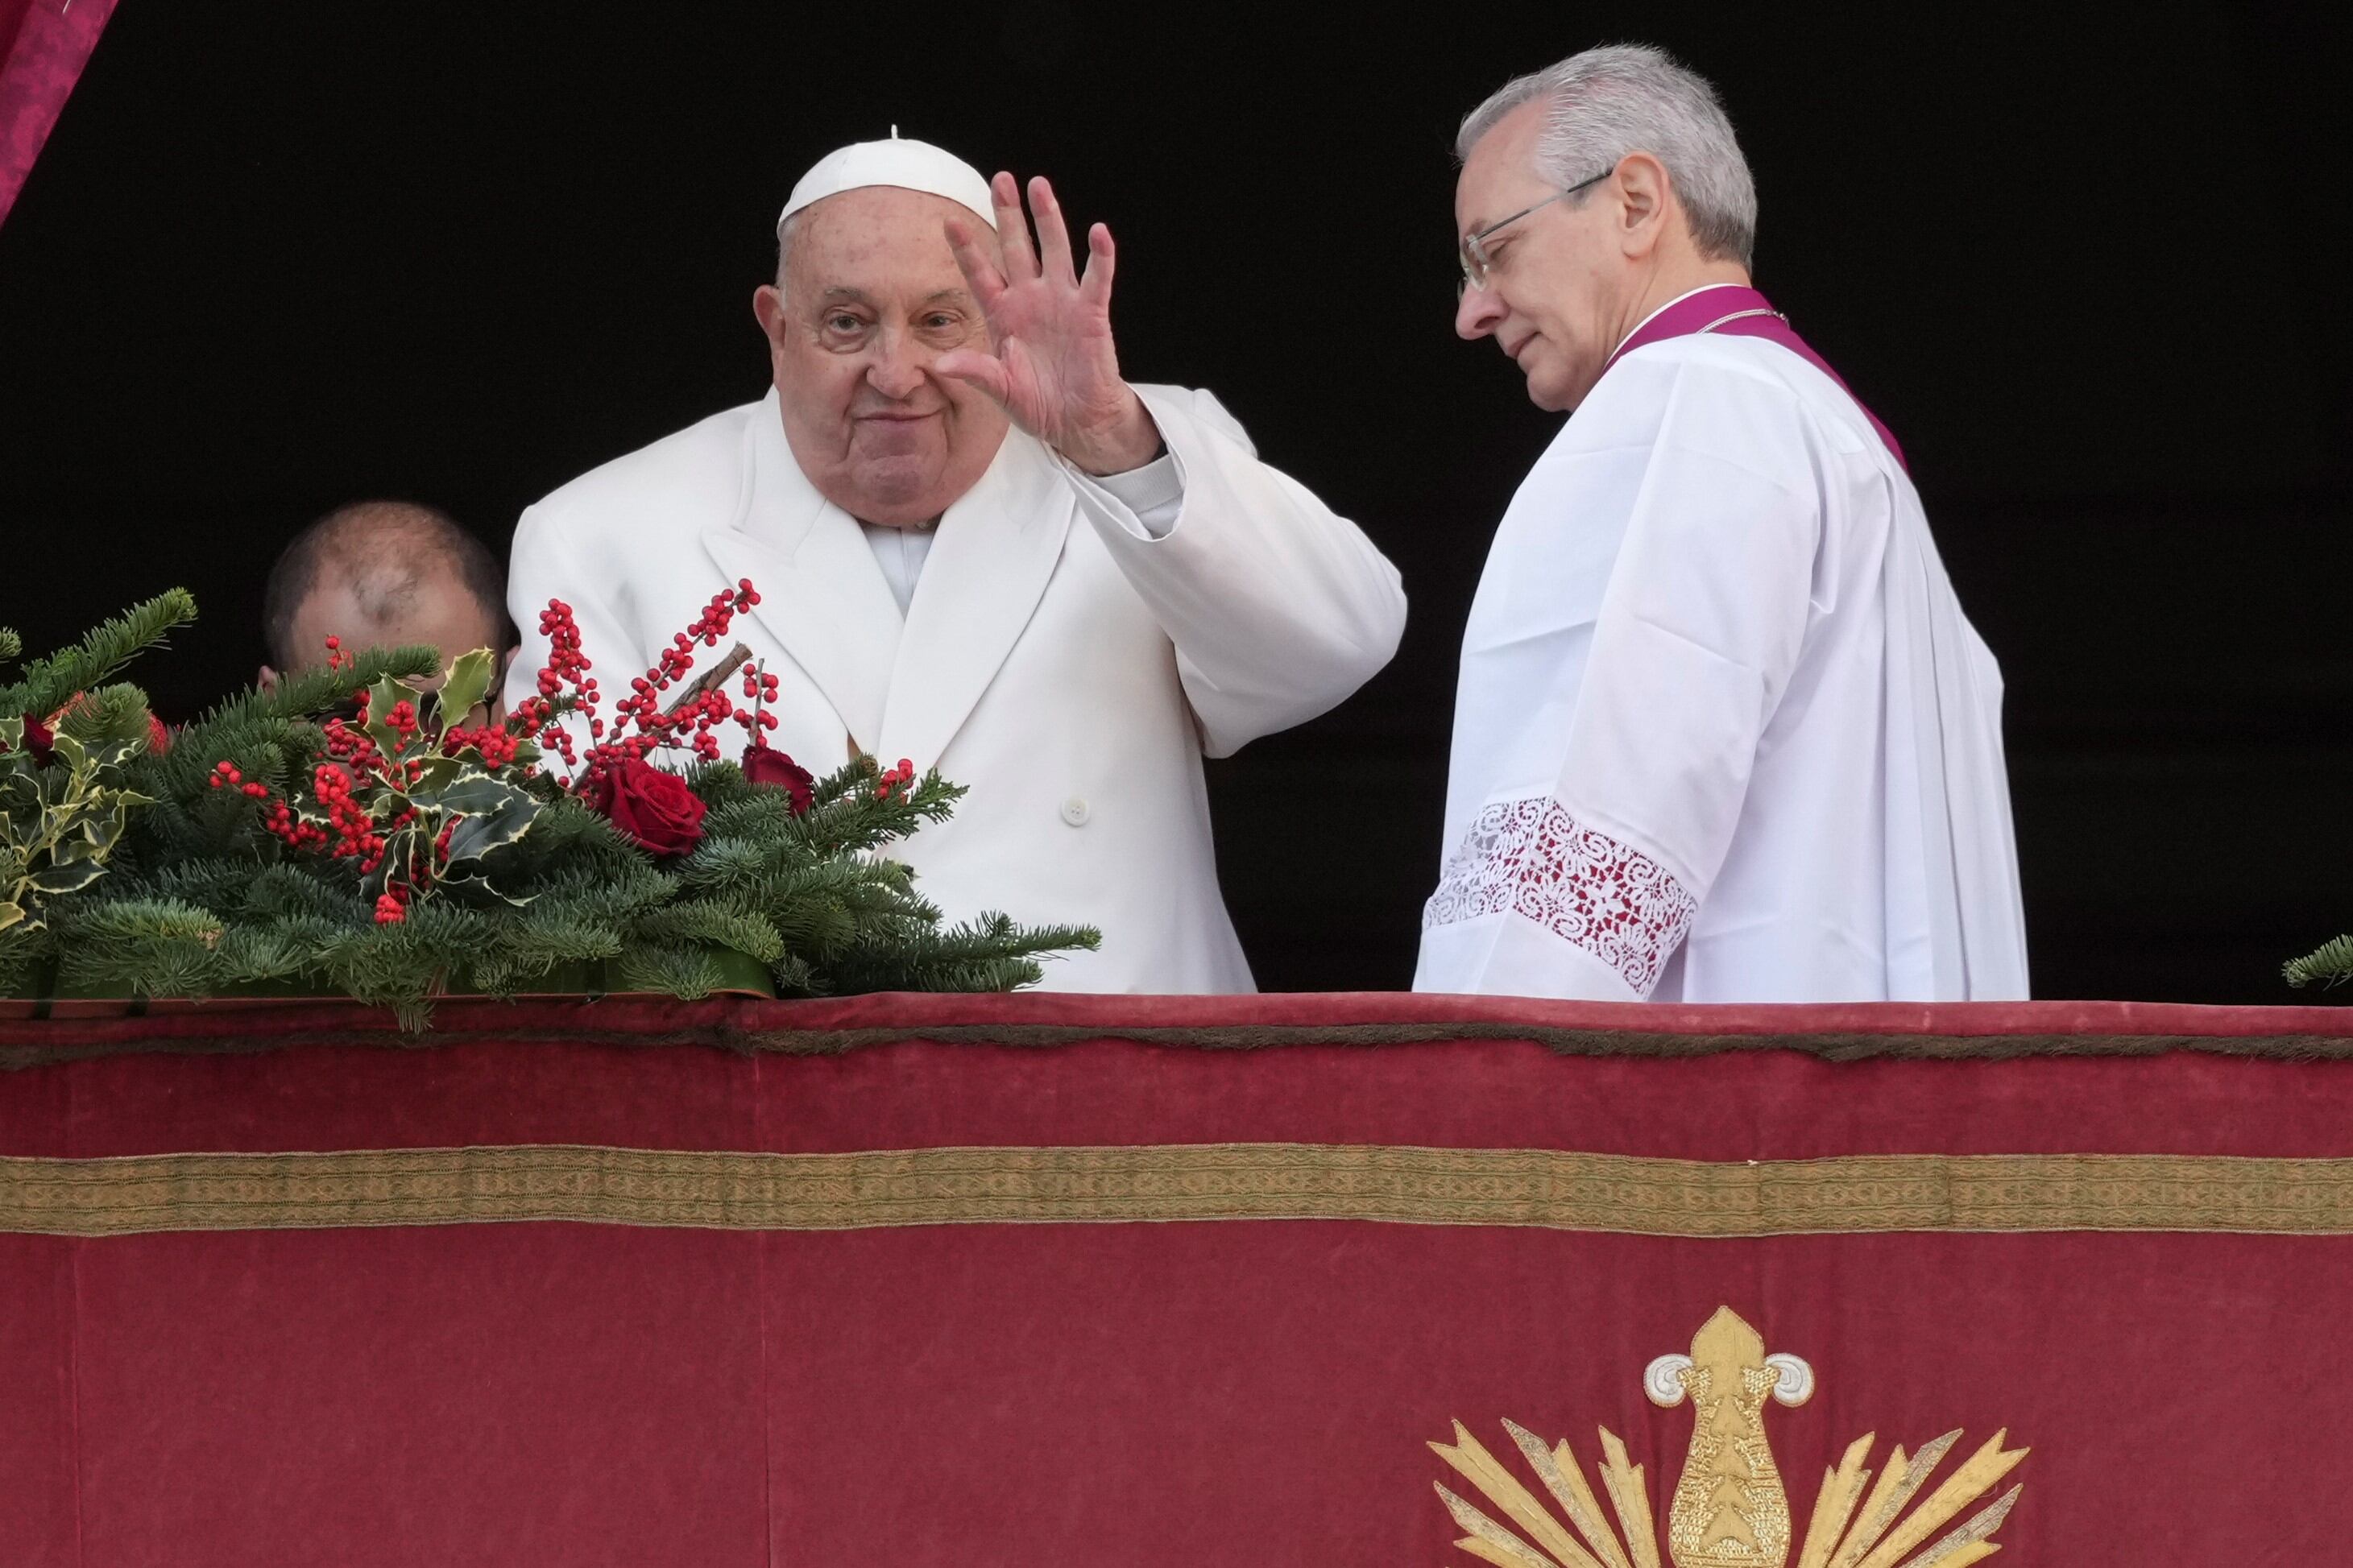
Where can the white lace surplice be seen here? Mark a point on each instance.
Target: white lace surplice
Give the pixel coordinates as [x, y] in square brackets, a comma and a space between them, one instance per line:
[1722, 732]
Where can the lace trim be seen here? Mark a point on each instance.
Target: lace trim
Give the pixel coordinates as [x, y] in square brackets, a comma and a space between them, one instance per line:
[1532, 859]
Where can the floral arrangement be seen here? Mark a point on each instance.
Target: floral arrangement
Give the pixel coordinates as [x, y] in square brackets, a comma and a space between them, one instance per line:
[352, 831]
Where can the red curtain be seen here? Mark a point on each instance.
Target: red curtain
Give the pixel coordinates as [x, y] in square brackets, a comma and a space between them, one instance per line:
[44, 44]
[1143, 1281]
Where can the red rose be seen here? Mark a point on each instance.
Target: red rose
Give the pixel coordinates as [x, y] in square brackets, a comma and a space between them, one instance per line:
[763, 765]
[651, 807]
[39, 740]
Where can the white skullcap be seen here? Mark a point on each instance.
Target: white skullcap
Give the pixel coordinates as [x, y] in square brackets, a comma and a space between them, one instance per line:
[908, 165]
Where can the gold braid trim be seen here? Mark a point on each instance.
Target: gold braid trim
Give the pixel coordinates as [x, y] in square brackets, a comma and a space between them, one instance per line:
[1547, 1188]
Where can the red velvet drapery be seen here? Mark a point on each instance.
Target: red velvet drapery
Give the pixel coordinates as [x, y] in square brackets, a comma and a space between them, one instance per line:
[1055, 1280]
[44, 44]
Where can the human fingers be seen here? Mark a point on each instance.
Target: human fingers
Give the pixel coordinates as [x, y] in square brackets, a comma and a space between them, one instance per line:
[973, 259]
[1102, 256]
[1012, 229]
[974, 368]
[1053, 234]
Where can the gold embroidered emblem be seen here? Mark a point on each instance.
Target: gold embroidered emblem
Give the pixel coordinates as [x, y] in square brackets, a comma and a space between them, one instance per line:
[1729, 1509]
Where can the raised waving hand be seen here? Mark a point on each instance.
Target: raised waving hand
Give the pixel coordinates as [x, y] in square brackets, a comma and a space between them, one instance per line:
[1050, 365]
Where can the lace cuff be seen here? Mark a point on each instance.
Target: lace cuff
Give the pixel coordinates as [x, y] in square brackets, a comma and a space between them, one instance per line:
[1531, 858]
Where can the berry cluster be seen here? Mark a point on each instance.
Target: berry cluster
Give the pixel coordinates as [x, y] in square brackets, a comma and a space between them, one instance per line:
[227, 775]
[900, 778]
[760, 688]
[358, 811]
[496, 744]
[641, 724]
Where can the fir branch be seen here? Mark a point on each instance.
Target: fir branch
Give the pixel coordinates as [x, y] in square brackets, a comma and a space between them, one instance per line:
[266, 732]
[688, 974]
[109, 719]
[990, 953]
[22, 949]
[2331, 963]
[11, 645]
[282, 951]
[745, 928]
[136, 947]
[48, 683]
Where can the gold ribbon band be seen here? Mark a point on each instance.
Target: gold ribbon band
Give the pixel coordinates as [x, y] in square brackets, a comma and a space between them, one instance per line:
[1546, 1188]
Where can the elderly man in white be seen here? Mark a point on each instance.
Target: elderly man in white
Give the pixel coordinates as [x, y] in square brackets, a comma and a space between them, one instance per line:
[979, 548]
[1723, 732]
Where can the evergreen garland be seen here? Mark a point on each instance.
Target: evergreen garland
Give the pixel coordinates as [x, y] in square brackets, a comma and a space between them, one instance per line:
[2331, 963]
[277, 845]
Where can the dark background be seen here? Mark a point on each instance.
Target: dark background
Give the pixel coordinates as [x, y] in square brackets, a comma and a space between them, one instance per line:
[278, 257]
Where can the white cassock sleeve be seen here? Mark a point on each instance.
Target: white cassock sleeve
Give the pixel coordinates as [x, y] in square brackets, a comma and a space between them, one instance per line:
[538, 571]
[1278, 607]
[1595, 881]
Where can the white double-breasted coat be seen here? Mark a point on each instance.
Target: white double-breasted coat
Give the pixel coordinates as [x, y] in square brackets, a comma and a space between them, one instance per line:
[1066, 665]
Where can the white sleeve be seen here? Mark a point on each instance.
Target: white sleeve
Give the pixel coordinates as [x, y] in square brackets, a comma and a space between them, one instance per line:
[542, 567]
[1153, 495]
[1699, 630]
[1278, 607]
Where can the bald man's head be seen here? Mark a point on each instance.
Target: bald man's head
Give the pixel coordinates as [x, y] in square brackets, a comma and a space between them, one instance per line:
[381, 573]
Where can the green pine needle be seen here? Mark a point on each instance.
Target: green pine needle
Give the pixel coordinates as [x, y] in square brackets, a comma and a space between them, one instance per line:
[48, 683]
[2331, 963]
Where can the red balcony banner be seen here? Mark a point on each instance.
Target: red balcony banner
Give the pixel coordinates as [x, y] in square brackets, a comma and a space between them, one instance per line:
[1049, 1280]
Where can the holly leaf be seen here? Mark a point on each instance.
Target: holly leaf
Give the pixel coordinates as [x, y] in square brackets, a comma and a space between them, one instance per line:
[402, 846]
[478, 794]
[473, 889]
[10, 914]
[437, 774]
[477, 835]
[469, 681]
[383, 697]
[69, 877]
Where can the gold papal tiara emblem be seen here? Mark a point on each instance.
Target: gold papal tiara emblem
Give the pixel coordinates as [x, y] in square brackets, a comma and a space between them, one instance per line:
[1729, 1510]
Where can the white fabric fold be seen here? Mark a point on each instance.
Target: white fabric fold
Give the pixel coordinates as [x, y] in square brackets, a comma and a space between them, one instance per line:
[1713, 648]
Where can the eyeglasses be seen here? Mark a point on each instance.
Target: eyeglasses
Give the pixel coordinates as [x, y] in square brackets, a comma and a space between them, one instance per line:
[1473, 252]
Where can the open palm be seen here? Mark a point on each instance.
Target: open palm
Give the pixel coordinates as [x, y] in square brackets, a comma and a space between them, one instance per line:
[1051, 365]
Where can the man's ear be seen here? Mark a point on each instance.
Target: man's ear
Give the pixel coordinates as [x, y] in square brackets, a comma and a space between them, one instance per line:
[768, 308]
[267, 678]
[495, 700]
[1644, 200]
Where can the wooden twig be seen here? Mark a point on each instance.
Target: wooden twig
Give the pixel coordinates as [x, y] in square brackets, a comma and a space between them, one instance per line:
[710, 680]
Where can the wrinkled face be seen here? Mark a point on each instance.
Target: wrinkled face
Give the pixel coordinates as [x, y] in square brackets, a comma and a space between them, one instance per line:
[872, 299]
[1557, 280]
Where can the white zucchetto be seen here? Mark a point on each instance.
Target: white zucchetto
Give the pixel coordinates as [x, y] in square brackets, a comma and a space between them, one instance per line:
[908, 165]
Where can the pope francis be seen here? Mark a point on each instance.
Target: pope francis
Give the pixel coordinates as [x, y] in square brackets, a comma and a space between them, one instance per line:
[979, 548]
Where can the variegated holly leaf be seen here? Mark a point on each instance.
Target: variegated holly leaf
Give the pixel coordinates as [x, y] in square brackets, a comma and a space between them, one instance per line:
[477, 835]
[468, 682]
[68, 877]
[383, 697]
[478, 794]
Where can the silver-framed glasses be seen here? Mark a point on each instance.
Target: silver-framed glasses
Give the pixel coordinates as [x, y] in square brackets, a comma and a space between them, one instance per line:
[1471, 249]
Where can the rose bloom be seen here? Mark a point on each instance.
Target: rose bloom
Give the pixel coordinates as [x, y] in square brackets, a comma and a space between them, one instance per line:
[653, 808]
[763, 765]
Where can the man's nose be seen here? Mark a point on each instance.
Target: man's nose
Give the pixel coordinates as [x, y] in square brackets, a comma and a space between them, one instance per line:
[1476, 313]
[897, 367]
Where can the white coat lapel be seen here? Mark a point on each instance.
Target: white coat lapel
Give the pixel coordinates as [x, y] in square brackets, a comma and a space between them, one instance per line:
[821, 593]
[986, 570]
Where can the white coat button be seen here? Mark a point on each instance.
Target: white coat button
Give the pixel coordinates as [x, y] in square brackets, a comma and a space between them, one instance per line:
[1074, 811]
